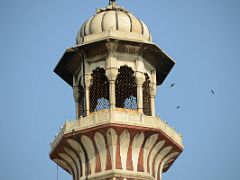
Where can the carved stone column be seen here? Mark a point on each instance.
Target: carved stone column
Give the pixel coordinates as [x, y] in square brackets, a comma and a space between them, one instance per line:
[76, 96]
[111, 73]
[140, 79]
[153, 92]
[87, 96]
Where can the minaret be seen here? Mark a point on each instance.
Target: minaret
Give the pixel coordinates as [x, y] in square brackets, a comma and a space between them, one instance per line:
[114, 70]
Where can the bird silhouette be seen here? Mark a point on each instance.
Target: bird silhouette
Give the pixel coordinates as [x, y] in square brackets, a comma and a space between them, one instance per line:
[178, 107]
[172, 85]
[212, 91]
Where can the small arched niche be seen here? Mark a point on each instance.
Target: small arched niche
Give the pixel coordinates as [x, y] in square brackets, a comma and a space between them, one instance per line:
[99, 90]
[81, 101]
[126, 88]
[147, 110]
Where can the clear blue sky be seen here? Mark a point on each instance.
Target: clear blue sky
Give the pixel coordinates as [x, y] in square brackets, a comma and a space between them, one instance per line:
[203, 36]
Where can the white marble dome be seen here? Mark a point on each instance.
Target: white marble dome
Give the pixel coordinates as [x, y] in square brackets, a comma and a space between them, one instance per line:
[113, 21]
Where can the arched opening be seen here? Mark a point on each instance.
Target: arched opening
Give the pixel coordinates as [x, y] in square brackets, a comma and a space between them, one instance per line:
[81, 101]
[126, 88]
[99, 91]
[146, 96]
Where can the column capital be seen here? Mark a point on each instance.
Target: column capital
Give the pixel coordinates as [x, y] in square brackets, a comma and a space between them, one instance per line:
[112, 74]
[111, 68]
[140, 78]
[112, 47]
[153, 89]
[88, 79]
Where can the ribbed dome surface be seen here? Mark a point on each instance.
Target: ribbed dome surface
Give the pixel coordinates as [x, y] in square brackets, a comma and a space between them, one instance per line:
[114, 18]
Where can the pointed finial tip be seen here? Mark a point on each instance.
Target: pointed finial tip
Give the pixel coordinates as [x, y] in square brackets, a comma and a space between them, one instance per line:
[111, 1]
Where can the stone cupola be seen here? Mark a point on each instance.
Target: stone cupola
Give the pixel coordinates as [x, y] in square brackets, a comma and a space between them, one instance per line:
[114, 70]
[114, 40]
[115, 20]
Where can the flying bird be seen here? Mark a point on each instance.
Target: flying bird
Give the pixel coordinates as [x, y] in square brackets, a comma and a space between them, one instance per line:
[178, 107]
[172, 85]
[212, 91]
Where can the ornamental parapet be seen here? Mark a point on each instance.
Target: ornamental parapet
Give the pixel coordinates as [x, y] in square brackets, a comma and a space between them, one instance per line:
[118, 116]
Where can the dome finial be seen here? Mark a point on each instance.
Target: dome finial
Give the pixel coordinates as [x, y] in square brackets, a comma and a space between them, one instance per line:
[112, 1]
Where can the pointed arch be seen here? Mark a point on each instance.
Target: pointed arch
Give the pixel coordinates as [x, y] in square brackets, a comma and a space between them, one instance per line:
[81, 101]
[99, 90]
[147, 110]
[126, 88]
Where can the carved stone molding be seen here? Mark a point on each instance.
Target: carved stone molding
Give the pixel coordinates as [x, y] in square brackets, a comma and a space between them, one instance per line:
[116, 151]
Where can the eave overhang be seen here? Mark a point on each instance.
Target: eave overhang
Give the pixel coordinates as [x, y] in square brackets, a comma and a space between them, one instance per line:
[72, 58]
